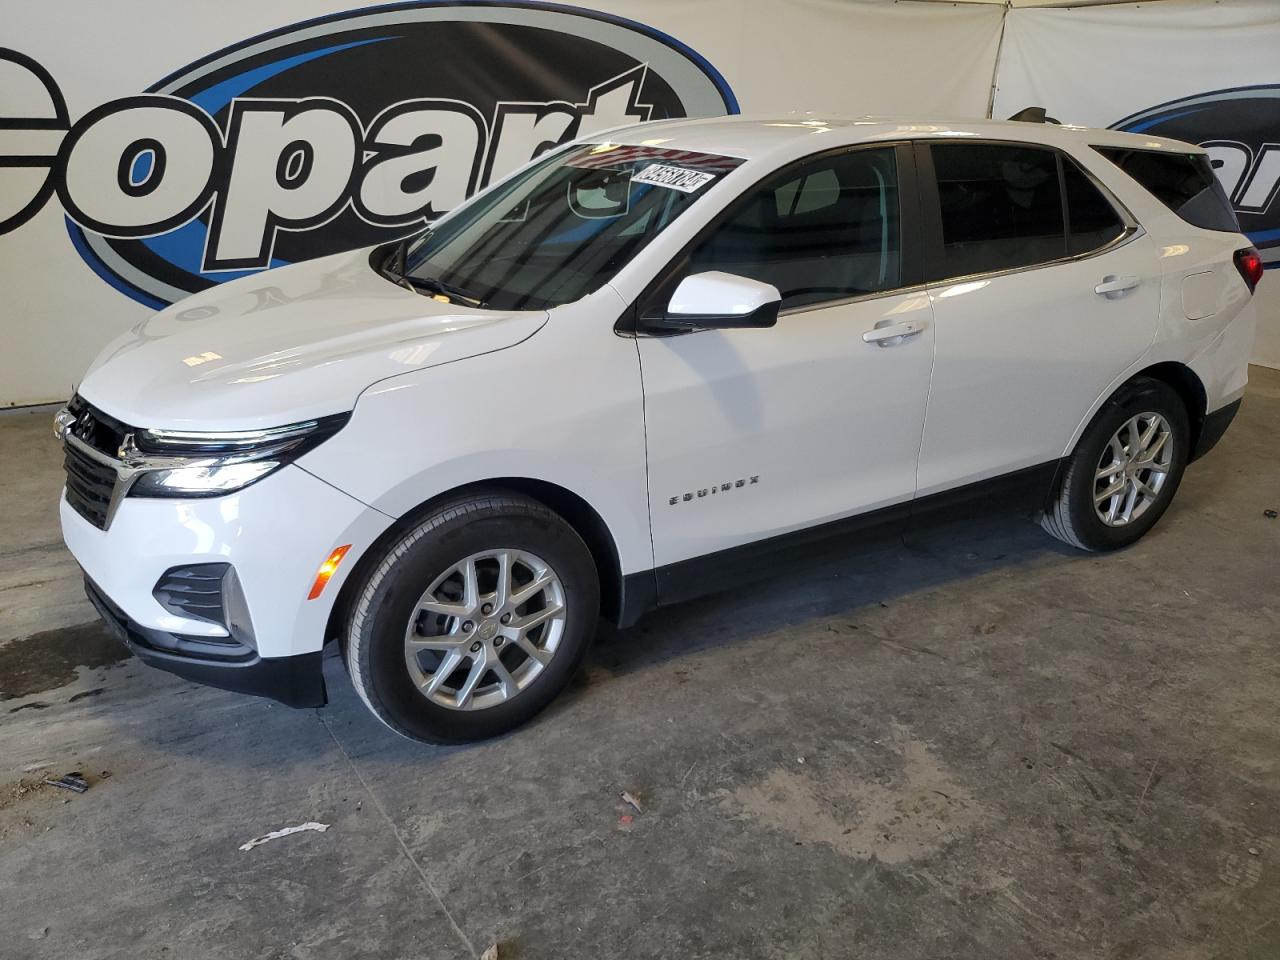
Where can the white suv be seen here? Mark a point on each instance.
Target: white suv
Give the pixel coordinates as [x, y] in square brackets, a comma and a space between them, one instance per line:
[640, 369]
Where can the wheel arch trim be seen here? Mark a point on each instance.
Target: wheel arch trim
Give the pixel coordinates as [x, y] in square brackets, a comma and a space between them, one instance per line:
[1178, 375]
[617, 591]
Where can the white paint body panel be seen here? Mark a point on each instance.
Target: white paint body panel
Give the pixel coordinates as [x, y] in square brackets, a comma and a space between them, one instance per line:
[829, 424]
[276, 533]
[283, 346]
[564, 407]
[1050, 343]
[1002, 374]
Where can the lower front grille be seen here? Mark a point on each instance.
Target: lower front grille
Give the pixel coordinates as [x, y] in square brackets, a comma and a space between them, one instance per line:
[208, 649]
[89, 486]
[194, 591]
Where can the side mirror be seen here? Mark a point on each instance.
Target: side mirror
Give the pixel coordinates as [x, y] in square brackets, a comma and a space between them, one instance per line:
[720, 301]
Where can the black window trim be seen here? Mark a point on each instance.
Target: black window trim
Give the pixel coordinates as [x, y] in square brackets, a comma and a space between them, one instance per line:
[931, 211]
[910, 241]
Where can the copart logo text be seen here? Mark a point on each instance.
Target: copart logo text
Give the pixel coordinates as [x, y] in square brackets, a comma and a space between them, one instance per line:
[329, 134]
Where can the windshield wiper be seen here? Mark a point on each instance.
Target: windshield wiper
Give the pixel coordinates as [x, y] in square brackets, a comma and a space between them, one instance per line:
[396, 268]
[439, 286]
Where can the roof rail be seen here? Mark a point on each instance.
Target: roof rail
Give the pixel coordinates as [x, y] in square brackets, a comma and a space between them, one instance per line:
[1033, 115]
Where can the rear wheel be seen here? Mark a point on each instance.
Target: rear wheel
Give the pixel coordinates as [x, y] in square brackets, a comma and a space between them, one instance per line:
[1125, 470]
[474, 620]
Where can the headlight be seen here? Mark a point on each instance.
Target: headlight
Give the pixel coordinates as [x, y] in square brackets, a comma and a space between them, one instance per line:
[201, 481]
[176, 463]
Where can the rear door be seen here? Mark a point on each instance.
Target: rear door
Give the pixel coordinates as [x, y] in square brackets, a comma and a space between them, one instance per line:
[760, 432]
[1044, 291]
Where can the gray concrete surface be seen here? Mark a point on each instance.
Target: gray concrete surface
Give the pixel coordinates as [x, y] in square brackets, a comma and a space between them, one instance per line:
[974, 745]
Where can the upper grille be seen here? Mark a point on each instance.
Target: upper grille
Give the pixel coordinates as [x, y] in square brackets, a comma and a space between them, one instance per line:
[90, 483]
[89, 486]
[99, 430]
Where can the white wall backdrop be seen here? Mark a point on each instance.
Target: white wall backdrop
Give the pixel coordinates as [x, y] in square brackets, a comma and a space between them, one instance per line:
[848, 56]
[1098, 66]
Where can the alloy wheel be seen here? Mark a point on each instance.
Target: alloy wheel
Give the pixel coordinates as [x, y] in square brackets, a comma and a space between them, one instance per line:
[1133, 469]
[485, 629]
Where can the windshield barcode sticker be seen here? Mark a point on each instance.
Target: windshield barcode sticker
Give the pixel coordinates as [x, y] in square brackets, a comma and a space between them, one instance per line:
[676, 178]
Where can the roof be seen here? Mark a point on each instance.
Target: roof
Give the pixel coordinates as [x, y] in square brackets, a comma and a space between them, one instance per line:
[749, 136]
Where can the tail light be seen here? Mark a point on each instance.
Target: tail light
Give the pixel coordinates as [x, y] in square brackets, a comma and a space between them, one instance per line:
[1249, 263]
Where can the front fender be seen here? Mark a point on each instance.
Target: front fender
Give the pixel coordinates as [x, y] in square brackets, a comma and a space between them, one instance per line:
[564, 408]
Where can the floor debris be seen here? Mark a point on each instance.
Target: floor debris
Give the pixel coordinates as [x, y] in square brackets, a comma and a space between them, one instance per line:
[286, 831]
[629, 799]
[73, 781]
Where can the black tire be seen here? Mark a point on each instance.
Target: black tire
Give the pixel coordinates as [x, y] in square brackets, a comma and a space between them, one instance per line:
[375, 647]
[1071, 516]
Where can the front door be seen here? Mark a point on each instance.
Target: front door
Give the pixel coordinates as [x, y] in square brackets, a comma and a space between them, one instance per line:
[757, 433]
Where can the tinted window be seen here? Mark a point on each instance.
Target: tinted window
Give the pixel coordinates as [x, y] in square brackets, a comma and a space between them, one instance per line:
[1183, 182]
[1001, 207]
[823, 231]
[1092, 219]
[564, 225]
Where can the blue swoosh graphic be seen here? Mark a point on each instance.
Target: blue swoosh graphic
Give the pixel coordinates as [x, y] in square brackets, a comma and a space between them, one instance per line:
[220, 94]
[1156, 121]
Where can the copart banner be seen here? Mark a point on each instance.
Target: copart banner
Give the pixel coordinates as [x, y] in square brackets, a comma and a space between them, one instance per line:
[1207, 73]
[154, 150]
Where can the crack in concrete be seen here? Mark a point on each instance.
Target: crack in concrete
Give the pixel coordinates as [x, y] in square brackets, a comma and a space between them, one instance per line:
[395, 832]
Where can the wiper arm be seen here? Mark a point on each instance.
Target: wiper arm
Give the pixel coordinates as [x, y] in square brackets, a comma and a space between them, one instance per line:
[440, 286]
[394, 264]
[399, 258]
[396, 268]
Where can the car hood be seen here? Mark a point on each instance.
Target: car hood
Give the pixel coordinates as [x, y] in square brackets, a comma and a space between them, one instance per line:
[290, 344]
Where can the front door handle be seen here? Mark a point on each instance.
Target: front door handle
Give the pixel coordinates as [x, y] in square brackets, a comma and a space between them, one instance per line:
[1112, 286]
[889, 332]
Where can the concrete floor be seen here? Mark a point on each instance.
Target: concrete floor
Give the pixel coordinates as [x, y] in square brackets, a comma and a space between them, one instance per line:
[975, 745]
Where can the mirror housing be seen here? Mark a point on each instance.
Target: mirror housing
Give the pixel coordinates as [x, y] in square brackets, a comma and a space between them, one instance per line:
[718, 301]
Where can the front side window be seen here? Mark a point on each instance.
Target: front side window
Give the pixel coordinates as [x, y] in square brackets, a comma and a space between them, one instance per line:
[561, 228]
[1001, 207]
[828, 229]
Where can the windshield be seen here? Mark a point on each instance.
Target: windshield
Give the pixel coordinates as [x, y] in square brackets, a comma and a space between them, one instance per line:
[563, 227]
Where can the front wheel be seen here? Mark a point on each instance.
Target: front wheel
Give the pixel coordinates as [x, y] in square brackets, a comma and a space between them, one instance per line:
[1124, 471]
[474, 620]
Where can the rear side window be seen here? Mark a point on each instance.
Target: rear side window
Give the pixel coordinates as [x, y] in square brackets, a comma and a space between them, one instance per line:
[1091, 219]
[1183, 182]
[1001, 207]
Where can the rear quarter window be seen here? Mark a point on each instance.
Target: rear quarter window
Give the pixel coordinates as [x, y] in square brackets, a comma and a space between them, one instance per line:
[1183, 182]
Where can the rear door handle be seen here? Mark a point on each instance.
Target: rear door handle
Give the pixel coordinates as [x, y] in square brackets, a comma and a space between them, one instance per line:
[889, 332]
[1112, 286]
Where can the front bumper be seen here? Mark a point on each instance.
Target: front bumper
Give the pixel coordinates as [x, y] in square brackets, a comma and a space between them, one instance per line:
[273, 534]
[295, 681]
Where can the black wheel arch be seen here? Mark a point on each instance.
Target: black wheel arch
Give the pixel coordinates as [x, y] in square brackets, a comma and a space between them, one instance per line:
[1187, 384]
[575, 511]
[1182, 380]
